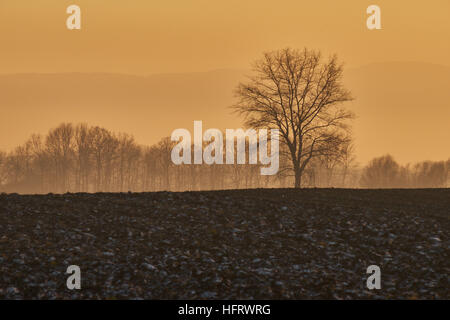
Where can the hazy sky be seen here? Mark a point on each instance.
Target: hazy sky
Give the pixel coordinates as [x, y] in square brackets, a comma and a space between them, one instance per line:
[144, 37]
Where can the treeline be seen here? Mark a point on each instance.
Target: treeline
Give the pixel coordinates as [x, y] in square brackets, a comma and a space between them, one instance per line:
[385, 172]
[82, 158]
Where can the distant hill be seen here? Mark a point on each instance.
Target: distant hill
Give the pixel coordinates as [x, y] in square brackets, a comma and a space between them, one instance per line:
[402, 108]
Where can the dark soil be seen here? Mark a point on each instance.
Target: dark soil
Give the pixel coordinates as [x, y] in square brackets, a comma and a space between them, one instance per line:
[237, 244]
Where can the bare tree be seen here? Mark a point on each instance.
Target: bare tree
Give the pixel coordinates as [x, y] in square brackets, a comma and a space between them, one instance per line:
[59, 145]
[347, 160]
[165, 146]
[103, 146]
[150, 168]
[382, 172]
[83, 153]
[301, 95]
[40, 158]
[128, 153]
[3, 158]
[430, 174]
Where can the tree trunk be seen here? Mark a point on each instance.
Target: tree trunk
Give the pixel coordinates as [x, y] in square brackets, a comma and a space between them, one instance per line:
[298, 178]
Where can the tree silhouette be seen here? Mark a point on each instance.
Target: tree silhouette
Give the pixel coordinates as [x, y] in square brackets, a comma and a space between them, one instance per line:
[301, 95]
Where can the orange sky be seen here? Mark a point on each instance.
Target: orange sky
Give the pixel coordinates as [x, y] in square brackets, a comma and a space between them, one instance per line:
[143, 37]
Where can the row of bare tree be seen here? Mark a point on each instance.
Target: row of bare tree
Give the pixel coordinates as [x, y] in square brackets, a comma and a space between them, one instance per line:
[385, 172]
[80, 158]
